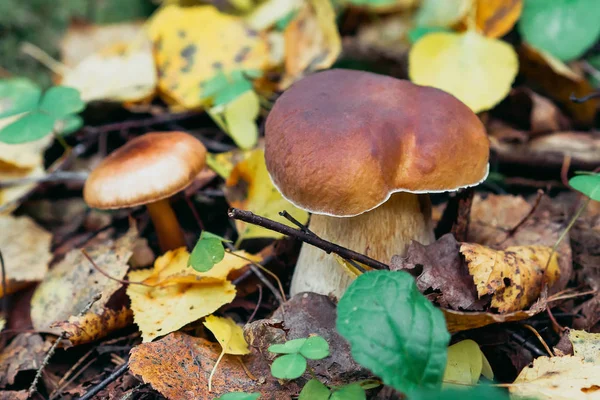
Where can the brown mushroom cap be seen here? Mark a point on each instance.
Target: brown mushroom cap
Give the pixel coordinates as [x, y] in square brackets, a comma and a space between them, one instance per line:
[146, 169]
[340, 142]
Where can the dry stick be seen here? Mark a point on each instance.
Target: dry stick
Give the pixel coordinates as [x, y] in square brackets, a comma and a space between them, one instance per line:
[4, 287]
[513, 230]
[314, 240]
[122, 281]
[583, 99]
[58, 176]
[72, 378]
[60, 383]
[540, 338]
[50, 353]
[260, 294]
[110, 379]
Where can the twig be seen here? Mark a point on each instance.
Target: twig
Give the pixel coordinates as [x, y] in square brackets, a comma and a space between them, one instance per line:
[523, 342]
[52, 350]
[138, 123]
[4, 287]
[583, 99]
[540, 338]
[538, 199]
[66, 384]
[60, 383]
[260, 294]
[58, 176]
[294, 221]
[102, 385]
[314, 240]
[122, 281]
[194, 212]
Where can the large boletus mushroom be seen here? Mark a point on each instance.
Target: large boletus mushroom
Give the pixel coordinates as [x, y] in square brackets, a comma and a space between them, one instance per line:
[147, 171]
[360, 151]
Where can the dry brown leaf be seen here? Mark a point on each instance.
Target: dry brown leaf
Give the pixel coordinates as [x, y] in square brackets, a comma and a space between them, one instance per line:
[513, 277]
[559, 82]
[73, 283]
[14, 395]
[312, 41]
[26, 251]
[179, 365]
[24, 353]
[495, 18]
[91, 327]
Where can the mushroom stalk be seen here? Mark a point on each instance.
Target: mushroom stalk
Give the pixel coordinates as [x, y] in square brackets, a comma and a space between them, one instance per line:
[380, 233]
[170, 235]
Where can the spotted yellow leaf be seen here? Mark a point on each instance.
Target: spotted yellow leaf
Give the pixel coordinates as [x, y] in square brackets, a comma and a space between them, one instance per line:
[477, 70]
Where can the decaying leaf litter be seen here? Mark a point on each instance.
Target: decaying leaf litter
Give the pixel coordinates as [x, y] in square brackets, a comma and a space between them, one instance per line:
[253, 237]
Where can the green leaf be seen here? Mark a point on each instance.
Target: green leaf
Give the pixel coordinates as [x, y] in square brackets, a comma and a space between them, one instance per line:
[352, 391]
[18, 95]
[223, 89]
[70, 124]
[289, 366]
[563, 28]
[289, 347]
[314, 390]
[315, 348]
[587, 184]
[30, 127]
[394, 330]
[480, 392]
[239, 396]
[207, 252]
[61, 101]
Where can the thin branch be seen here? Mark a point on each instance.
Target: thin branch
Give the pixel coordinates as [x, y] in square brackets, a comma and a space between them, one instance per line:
[138, 123]
[4, 287]
[540, 338]
[538, 199]
[314, 240]
[583, 99]
[294, 221]
[52, 350]
[58, 176]
[102, 385]
[122, 281]
[260, 295]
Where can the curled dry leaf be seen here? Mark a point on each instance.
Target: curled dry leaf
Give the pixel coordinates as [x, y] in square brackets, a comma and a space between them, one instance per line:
[439, 266]
[73, 283]
[179, 294]
[24, 353]
[179, 365]
[205, 43]
[558, 81]
[495, 18]
[249, 187]
[312, 41]
[513, 277]
[26, 259]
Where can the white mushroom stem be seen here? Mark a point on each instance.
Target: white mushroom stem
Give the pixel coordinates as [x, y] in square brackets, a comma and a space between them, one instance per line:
[380, 233]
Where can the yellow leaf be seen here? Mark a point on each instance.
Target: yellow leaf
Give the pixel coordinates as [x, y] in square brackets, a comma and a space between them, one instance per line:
[228, 333]
[312, 41]
[477, 70]
[171, 269]
[161, 310]
[117, 64]
[442, 13]
[558, 378]
[223, 163]
[514, 277]
[91, 327]
[249, 187]
[271, 11]
[465, 364]
[240, 116]
[26, 251]
[586, 345]
[495, 18]
[349, 268]
[194, 43]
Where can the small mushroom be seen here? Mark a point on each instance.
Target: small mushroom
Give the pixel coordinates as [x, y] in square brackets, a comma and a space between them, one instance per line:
[147, 171]
[360, 151]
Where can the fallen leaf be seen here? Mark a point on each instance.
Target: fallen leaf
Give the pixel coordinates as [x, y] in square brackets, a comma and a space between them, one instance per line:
[229, 335]
[14, 395]
[479, 71]
[172, 268]
[73, 283]
[111, 62]
[442, 13]
[387, 36]
[205, 43]
[24, 353]
[269, 12]
[249, 187]
[23, 156]
[557, 81]
[238, 118]
[439, 267]
[312, 41]
[586, 345]
[304, 315]
[513, 277]
[564, 378]
[179, 365]
[26, 251]
[495, 18]
[224, 163]
[466, 363]
[180, 294]
[91, 327]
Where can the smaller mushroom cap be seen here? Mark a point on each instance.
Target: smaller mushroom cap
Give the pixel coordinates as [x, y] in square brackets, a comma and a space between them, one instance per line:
[146, 169]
